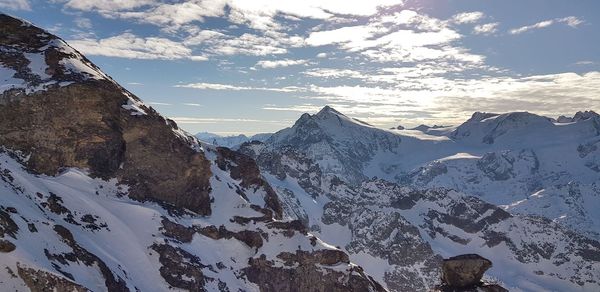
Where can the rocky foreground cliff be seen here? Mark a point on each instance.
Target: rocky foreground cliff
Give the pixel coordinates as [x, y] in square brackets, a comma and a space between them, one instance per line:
[100, 192]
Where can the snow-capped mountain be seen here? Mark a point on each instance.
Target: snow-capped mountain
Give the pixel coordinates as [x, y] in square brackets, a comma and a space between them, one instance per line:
[231, 141]
[101, 193]
[339, 144]
[526, 163]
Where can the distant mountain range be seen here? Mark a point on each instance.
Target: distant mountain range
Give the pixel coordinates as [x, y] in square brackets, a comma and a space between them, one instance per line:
[231, 141]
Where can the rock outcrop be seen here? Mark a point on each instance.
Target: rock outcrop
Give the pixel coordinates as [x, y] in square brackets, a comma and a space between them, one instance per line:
[464, 273]
[464, 270]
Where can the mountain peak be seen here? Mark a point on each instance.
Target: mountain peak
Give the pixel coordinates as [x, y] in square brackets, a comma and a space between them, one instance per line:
[585, 115]
[327, 111]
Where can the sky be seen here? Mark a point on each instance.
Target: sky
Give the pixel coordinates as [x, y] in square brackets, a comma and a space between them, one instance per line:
[241, 66]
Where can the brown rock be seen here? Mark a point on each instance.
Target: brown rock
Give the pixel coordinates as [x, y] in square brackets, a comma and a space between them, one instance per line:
[306, 275]
[177, 231]
[84, 125]
[464, 270]
[40, 281]
[6, 246]
[243, 167]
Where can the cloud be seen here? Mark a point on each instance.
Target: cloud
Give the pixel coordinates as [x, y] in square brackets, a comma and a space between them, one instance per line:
[174, 15]
[303, 108]
[280, 63]
[217, 43]
[333, 73]
[15, 4]
[405, 36]
[571, 21]
[322, 55]
[468, 17]
[128, 45]
[451, 100]
[585, 63]
[83, 22]
[218, 86]
[192, 104]
[257, 14]
[106, 5]
[158, 103]
[486, 29]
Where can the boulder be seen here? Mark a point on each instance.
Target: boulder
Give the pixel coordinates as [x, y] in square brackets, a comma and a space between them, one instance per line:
[6, 246]
[464, 270]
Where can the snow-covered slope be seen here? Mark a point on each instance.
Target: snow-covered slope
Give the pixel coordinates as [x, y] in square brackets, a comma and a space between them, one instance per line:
[101, 193]
[399, 234]
[231, 141]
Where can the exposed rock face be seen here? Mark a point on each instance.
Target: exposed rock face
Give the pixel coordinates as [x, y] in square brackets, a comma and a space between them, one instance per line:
[86, 121]
[6, 246]
[40, 281]
[463, 273]
[243, 167]
[464, 270]
[299, 274]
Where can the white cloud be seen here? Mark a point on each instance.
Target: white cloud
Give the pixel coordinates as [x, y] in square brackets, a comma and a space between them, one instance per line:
[280, 63]
[333, 73]
[468, 17]
[486, 29]
[322, 55]
[257, 14]
[158, 103]
[106, 5]
[451, 100]
[174, 15]
[192, 104]
[83, 22]
[15, 4]
[219, 86]
[128, 45]
[405, 36]
[246, 44]
[538, 25]
[571, 21]
[585, 63]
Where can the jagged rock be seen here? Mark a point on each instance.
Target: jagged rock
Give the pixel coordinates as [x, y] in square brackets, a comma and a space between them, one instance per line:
[6, 246]
[180, 268]
[177, 231]
[464, 270]
[7, 225]
[304, 276]
[243, 167]
[41, 281]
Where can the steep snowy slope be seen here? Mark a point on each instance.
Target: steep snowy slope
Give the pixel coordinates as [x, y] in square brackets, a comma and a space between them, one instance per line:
[99, 192]
[399, 234]
[341, 145]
